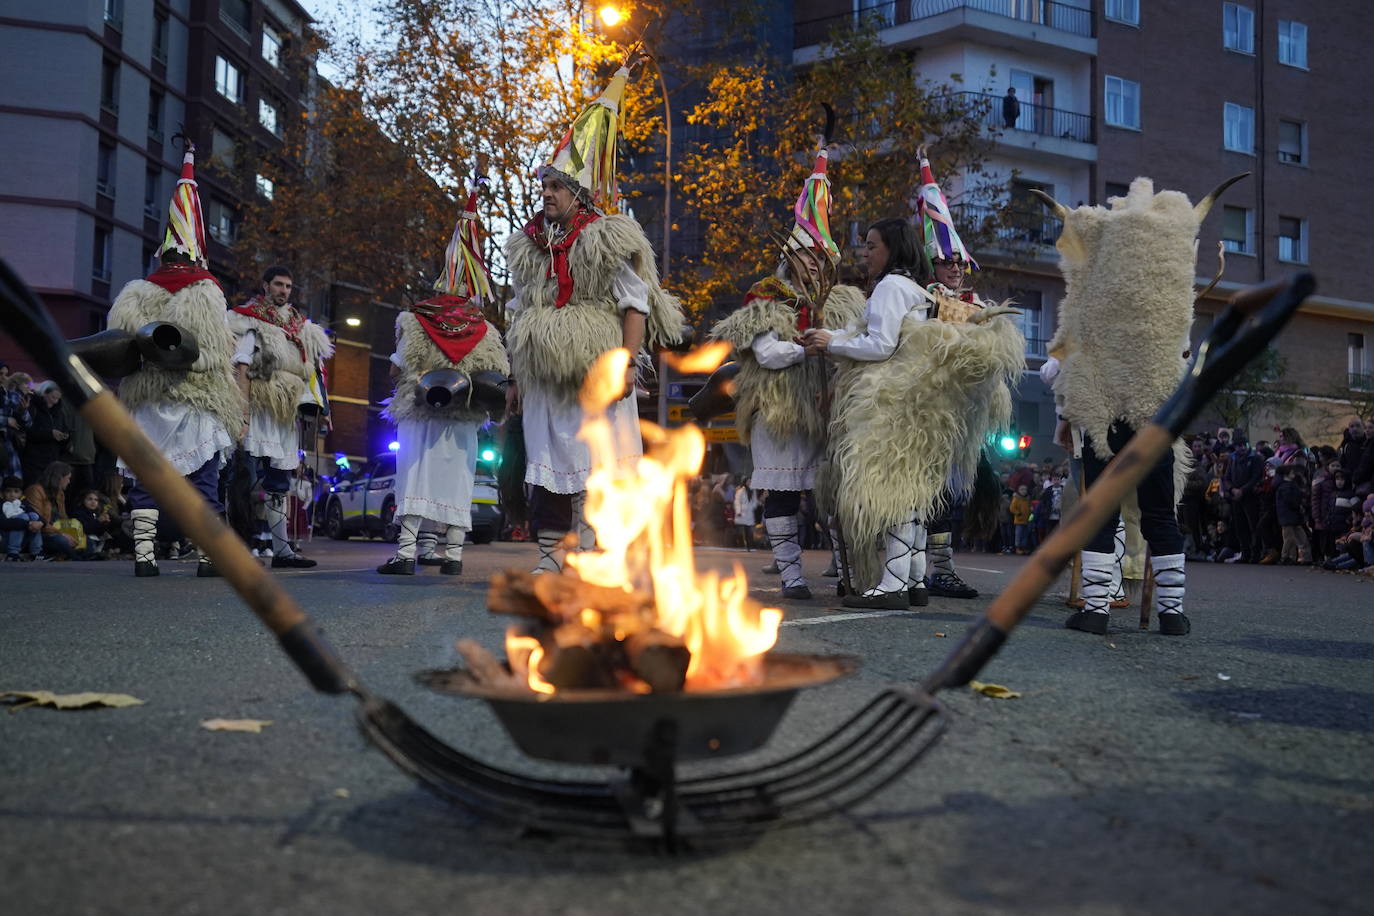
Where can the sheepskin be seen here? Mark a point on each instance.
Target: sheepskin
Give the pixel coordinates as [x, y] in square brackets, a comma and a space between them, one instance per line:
[554, 347]
[783, 400]
[208, 385]
[277, 374]
[420, 356]
[1127, 309]
[901, 427]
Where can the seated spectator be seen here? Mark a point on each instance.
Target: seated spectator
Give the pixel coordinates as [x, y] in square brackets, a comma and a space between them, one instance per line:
[22, 526]
[95, 521]
[1340, 504]
[48, 498]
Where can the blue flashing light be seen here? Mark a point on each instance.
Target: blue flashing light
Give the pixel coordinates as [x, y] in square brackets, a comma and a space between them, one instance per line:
[394, 446]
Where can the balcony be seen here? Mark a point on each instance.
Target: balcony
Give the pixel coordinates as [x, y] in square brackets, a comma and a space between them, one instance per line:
[1040, 133]
[1038, 26]
[1361, 381]
[1020, 232]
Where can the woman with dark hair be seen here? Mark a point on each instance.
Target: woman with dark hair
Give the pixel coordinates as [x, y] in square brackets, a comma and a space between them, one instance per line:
[48, 497]
[48, 432]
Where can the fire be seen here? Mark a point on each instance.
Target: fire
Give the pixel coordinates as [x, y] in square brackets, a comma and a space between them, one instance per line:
[643, 527]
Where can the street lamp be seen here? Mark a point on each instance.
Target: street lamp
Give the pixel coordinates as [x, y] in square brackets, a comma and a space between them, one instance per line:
[353, 321]
[611, 16]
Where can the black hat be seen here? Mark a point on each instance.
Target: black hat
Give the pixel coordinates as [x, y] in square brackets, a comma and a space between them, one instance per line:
[12, 483]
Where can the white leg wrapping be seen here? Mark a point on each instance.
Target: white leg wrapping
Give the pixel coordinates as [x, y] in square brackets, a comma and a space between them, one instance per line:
[1169, 582]
[426, 544]
[784, 538]
[409, 534]
[276, 521]
[586, 537]
[550, 553]
[1097, 581]
[454, 541]
[941, 551]
[1118, 591]
[897, 551]
[145, 535]
[916, 574]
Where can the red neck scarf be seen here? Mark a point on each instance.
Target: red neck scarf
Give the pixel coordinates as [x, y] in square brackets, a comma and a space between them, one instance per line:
[455, 330]
[774, 288]
[176, 278]
[288, 319]
[964, 296]
[559, 268]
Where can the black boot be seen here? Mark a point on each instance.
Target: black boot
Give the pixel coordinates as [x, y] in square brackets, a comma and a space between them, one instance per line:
[295, 561]
[451, 568]
[888, 601]
[1088, 622]
[918, 595]
[1174, 624]
[145, 568]
[206, 570]
[397, 567]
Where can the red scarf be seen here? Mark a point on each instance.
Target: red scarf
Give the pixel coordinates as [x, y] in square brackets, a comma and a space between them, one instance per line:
[559, 268]
[455, 330]
[176, 278]
[965, 296]
[291, 323]
[773, 288]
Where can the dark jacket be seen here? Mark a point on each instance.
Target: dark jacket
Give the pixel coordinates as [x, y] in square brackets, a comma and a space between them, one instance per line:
[1011, 108]
[1321, 496]
[1339, 518]
[90, 521]
[43, 448]
[1363, 478]
[1288, 502]
[1352, 453]
[1245, 473]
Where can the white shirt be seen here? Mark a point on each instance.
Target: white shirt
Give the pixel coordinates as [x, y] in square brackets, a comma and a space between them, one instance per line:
[888, 305]
[773, 352]
[629, 290]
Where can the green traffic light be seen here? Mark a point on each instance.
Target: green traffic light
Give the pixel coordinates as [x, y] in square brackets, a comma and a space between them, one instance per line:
[1007, 443]
[488, 454]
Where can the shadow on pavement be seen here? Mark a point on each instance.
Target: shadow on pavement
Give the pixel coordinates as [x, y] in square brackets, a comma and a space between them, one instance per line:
[1309, 648]
[1309, 706]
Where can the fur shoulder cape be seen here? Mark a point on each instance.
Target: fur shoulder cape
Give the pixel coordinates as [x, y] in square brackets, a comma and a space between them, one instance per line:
[554, 347]
[784, 400]
[278, 373]
[208, 385]
[420, 355]
[902, 427]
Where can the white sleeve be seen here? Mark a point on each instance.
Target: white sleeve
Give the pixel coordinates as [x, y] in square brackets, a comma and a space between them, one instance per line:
[243, 351]
[397, 361]
[629, 290]
[773, 352]
[1049, 371]
[877, 340]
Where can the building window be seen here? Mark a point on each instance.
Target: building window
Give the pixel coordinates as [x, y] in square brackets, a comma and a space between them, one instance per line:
[105, 170]
[1127, 11]
[102, 254]
[1358, 363]
[266, 186]
[220, 222]
[155, 100]
[1292, 239]
[238, 15]
[267, 116]
[1122, 103]
[114, 13]
[149, 259]
[1238, 133]
[875, 12]
[1238, 28]
[109, 86]
[1116, 189]
[228, 80]
[271, 46]
[1292, 43]
[160, 38]
[1293, 142]
[1237, 226]
[1030, 302]
[150, 193]
[222, 149]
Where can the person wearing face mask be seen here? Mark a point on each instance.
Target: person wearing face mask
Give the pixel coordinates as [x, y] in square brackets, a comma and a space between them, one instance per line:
[893, 455]
[585, 283]
[778, 390]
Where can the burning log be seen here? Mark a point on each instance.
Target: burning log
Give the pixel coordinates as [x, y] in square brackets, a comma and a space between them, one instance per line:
[659, 659]
[556, 599]
[485, 669]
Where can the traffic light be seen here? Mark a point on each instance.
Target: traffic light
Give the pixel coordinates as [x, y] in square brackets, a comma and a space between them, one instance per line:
[1023, 444]
[487, 454]
[1012, 444]
[1007, 444]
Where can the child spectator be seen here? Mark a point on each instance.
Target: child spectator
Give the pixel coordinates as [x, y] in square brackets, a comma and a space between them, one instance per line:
[22, 526]
[95, 521]
[1020, 518]
[1288, 509]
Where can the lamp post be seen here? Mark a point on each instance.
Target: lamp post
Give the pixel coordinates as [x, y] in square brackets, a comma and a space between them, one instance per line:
[611, 17]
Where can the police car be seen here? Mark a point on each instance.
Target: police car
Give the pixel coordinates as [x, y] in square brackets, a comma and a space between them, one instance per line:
[364, 504]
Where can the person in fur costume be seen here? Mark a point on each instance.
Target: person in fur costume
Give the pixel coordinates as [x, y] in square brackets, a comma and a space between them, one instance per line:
[437, 459]
[1121, 343]
[192, 415]
[279, 363]
[778, 389]
[585, 283]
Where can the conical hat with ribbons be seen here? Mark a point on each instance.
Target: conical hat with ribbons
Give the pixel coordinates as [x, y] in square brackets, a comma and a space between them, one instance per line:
[811, 228]
[938, 234]
[585, 157]
[185, 224]
[465, 272]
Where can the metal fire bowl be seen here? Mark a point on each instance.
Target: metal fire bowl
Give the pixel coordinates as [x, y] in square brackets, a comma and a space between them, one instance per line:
[617, 728]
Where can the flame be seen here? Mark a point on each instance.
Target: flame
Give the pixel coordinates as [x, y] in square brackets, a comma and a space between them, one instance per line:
[705, 358]
[524, 655]
[639, 511]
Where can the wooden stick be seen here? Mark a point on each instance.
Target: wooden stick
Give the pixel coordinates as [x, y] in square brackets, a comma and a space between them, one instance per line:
[1147, 592]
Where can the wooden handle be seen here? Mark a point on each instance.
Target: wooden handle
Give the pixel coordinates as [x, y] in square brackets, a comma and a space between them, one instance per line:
[174, 495]
[1103, 498]
[1253, 298]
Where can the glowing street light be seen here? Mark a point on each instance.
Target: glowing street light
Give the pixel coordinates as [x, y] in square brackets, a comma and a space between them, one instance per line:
[353, 321]
[610, 15]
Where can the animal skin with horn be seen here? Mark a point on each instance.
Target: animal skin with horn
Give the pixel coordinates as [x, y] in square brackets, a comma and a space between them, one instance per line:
[1129, 271]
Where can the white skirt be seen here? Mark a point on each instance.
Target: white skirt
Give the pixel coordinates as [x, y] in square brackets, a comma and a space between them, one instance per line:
[787, 465]
[277, 442]
[435, 466]
[555, 458]
[187, 437]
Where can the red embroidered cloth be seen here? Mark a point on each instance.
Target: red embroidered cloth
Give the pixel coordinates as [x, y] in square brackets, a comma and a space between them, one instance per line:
[773, 288]
[537, 232]
[455, 330]
[289, 320]
[175, 279]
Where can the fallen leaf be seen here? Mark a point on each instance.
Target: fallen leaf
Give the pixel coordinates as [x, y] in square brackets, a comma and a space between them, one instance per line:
[66, 700]
[941, 635]
[996, 691]
[341, 793]
[1223, 677]
[235, 725]
[1111, 645]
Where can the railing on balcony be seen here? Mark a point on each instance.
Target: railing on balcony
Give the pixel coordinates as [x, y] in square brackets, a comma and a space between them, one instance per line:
[1076, 20]
[1361, 381]
[1012, 226]
[1038, 119]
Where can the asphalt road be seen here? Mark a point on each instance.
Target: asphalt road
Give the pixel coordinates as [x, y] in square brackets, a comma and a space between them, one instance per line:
[1228, 771]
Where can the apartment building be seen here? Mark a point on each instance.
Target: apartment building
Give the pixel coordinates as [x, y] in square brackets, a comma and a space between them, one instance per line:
[1183, 92]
